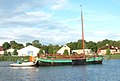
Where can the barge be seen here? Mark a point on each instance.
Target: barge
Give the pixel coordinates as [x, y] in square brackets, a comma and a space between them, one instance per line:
[71, 60]
[68, 61]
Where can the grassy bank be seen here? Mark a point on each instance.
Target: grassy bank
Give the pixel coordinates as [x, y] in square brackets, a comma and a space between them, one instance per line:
[13, 58]
[114, 56]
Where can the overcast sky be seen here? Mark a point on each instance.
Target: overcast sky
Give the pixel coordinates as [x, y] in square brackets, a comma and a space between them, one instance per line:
[58, 21]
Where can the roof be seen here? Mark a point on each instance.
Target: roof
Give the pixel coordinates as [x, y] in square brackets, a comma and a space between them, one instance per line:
[65, 46]
[1, 48]
[29, 47]
[110, 47]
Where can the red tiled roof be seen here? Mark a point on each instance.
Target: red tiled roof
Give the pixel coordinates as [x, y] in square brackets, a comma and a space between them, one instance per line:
[1, 48]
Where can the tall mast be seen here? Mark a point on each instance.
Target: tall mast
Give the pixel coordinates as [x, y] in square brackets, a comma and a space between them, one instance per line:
[83, 47]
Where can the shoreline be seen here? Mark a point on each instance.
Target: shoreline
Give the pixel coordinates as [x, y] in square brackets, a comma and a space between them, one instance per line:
[15, 58]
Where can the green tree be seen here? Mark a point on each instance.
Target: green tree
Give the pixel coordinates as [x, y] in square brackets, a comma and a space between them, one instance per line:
[6, 46]
[50, 49]
[55, 48]
[5, 53]
[45, 48]
[108, 51]
[9, 54]
[16, 45]
[116, 43]
[104, 42]
[66, 52]
[13, 44]
[27, 44]
[36, 44]
[72, 45]
[94, 49]
[15, 52]
[19, 46]
[90, 44]
[79, 44]
[54, 51]
[41, 51]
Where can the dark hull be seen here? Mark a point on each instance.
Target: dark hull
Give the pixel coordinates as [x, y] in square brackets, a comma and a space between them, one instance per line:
[73, 62]
[39, 63]
[94, 62]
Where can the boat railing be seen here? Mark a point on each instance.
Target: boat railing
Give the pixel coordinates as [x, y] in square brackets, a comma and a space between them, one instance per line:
[58, 56]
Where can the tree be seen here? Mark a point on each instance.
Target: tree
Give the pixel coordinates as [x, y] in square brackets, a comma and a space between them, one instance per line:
[104, 42]
[95, 49]
[72, 45]
[13, 44]
[27, 44]
[45, 48]
[41, 51]
[9, 54]
[90, 44]
[5, 53]
[6, 46]
[36, 43]
[55, 48]
[79, 44]
[16, 45]
[19, 46]
[54, 51]
[66, 52]
[15, 52]
[50, 49]
[108, 51]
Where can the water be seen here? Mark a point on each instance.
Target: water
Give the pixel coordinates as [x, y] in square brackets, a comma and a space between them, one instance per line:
[108, 71]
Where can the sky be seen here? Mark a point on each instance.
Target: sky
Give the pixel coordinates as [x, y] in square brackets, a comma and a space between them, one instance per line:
[58, 21]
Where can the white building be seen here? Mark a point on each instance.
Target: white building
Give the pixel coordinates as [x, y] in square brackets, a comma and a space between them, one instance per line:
[1, 51]
[80, 51]
[113, 50]
[29, 50]
[61, 50]
[11, 50]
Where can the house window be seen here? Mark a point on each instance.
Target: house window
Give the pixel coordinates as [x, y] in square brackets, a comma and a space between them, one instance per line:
[30, 53]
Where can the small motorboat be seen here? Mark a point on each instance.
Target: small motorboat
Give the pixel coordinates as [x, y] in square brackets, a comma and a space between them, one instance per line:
[23, 64]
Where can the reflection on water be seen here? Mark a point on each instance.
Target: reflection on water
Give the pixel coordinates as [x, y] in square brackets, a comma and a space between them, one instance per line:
[108, 71]
[22, 67]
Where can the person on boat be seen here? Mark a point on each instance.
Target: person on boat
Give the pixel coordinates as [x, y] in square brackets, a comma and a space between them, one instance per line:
[20, 61]
[31, 58]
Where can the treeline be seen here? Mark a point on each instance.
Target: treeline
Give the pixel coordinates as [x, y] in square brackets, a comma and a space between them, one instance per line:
[52, 49]
[13, 58]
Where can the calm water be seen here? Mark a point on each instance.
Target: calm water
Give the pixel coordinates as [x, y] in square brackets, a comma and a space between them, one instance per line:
[108, 71]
